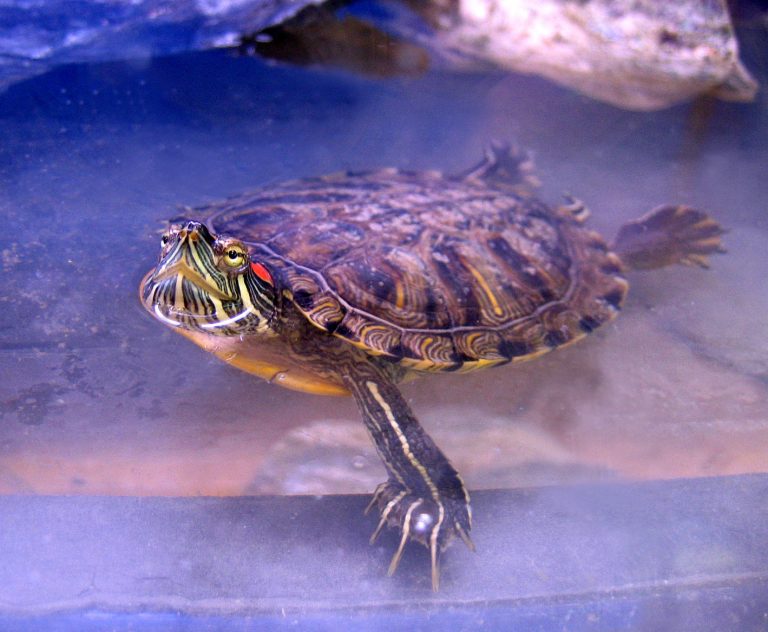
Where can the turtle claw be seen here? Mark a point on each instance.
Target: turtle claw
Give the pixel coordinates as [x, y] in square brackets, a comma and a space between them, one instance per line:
[379, 491]
[429, 521]
[386, 510]
[465, 537]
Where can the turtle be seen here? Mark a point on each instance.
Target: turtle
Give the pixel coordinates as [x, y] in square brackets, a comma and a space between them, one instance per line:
[351, 283]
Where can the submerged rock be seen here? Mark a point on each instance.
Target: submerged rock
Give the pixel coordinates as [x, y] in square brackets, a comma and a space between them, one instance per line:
[635, 54]
[38, 35]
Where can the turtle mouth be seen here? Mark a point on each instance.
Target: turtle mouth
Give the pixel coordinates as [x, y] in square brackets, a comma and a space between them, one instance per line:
[180, 296]
[181, 270]
[181, 303]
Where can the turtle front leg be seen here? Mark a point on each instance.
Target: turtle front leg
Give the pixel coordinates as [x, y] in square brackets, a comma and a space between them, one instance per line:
[424, 497]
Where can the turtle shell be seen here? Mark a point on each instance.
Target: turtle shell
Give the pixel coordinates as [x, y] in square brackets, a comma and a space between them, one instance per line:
[438, 273]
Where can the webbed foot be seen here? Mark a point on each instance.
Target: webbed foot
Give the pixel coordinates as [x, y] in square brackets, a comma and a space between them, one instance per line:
[507, 166]
[433, 522]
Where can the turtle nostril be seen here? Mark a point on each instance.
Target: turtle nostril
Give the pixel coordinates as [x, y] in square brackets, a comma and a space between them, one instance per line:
[196, 231]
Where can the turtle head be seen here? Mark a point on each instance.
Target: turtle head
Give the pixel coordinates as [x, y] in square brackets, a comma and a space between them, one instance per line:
[209, 284]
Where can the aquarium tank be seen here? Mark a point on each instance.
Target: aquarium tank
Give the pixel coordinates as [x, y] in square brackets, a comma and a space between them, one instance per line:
[383, 314]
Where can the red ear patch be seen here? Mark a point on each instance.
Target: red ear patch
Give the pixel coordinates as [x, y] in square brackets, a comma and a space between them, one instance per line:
[261, 272]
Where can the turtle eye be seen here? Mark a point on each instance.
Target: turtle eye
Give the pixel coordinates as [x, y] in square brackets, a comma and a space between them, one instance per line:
[234, 256]
[165, 243]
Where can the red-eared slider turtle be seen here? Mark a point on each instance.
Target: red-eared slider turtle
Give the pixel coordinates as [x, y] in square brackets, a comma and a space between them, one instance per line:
[350, 283]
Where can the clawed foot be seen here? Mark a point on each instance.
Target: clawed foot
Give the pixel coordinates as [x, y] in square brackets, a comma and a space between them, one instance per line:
[432, 522]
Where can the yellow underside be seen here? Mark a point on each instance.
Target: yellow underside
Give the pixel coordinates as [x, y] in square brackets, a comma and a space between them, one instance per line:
[266, 359]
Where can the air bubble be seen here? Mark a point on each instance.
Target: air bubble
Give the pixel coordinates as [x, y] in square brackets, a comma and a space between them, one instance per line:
[423, 522]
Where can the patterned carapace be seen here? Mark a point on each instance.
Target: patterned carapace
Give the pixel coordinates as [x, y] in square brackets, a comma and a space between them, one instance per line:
[442, 273]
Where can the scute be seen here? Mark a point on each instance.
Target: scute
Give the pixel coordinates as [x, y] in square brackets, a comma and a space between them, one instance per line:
[439, 273]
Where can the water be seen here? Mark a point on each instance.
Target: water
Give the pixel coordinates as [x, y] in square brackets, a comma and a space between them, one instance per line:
[99, 399]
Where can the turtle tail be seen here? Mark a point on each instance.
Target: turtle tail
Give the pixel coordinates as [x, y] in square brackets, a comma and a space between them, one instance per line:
[506, 166]
[668, 235]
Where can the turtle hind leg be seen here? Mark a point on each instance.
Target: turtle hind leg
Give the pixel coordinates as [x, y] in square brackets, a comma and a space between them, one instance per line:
[668, 235]
[506, 166]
